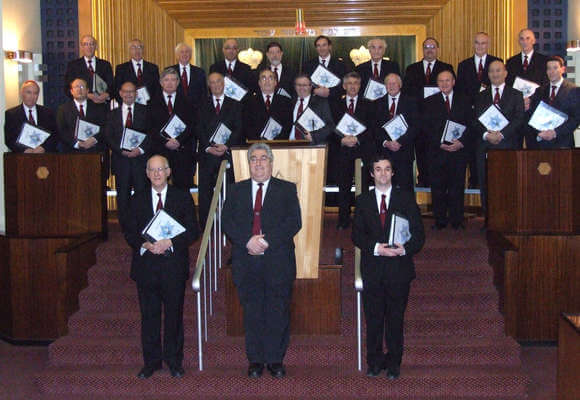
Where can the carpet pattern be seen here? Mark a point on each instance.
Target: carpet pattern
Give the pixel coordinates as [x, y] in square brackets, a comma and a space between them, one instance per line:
[455, 347]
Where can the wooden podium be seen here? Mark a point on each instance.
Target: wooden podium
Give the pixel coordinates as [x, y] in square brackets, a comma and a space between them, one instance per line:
[534, 237]
[55, 217]
[315, 305]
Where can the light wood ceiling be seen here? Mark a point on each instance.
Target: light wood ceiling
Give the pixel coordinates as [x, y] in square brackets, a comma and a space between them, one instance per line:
[193, 14]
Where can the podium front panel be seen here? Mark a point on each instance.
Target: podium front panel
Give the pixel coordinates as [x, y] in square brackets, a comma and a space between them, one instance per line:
[306, 167]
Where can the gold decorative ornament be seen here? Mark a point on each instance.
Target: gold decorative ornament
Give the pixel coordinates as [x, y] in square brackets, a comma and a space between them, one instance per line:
[360, 55]
[42, 173]
[251, 57]
[544, 168]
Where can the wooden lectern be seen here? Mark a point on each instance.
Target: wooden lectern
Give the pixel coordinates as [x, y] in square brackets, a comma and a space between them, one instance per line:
[315, 305]
[55, 217]
[534, 237]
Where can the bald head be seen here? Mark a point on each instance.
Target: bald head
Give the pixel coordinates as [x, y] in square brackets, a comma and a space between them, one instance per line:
[230, 49]
[29, 92]
[526, 39]
[481, 44]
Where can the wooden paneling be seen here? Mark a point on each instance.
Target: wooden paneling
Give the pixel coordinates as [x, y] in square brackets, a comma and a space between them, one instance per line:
[115, 22]
[315, 308]
[569, 357]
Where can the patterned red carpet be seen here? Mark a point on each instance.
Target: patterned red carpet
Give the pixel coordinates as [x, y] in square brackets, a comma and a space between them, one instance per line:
[455, 345]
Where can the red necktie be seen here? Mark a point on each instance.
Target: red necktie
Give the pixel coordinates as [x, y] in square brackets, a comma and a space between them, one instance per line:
[480, 70]
[553, 95]
[376, 72]
[525, 65]
[497, 97]
[91, 70]
[323, 62]
[169, 105]
[351, 107]
[184, 81]
[428, 74]
[230, 70]
[393, 107]
[31, 117]
[447, 105]
[268, 104]
[159, 203]
[257, 224]
[81, 111]
[139, 75]
[383, 213]
[298, 134]
[276, 72]
[129, 120]
[217, 106]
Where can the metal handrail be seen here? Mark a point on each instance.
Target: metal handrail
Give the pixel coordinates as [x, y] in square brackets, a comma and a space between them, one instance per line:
[211, 230]
[358, 282]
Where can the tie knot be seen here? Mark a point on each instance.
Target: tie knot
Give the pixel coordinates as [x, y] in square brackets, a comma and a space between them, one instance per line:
[129, 108]
[351, 100]
[267, 97]
[497, 90]
[554, 87]
[159, 195]
[383, 196]
[169, 96]
[260, 184]
[217, 100]
[301, 100]
[138, 65]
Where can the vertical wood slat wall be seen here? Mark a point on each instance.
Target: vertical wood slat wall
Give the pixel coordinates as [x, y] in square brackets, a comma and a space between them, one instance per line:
[115, 22]
[457, 22]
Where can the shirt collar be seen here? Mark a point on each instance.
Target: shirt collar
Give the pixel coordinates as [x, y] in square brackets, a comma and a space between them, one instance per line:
[233, 63]
[84, 104]
[477, 58]
[531, 53]
[163, 192]
[355, 98]
[306, 99]
[93, 60]
[220, 98]
[26, 108]
[165, 94]
[326, 60]
[500, 87]
[378, 193]
[557, 84]
[126, 107]
[135, 62]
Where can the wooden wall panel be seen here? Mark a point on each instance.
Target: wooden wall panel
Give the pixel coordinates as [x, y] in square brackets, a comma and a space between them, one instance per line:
[115, 22]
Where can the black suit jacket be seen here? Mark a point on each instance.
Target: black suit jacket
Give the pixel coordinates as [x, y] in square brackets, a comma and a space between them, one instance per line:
[78, 69]
[159, 117]
[467, 81]
[15, 117]
[66, 119]
[414, 80]
[321, 107]
[242, 73]
[512, 106]
[336, 66]
[365, 70]
[367, 231]
[255, 115]
[230, 115]
[365, 113]
[179, 205]
[280, 222]
[407, 106]
[197, 88]
[435, 116]
[126, 73]
[114, 133]
[566, 101]
[536, 69]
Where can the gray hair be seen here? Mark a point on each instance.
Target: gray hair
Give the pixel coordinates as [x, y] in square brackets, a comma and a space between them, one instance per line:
[168, 71]
[261, 146]
[376, 39]
[180, 45]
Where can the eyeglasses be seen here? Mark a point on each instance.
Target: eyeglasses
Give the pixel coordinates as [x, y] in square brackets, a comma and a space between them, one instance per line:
[267, 78]
[136, 47]
[88, 44]
[159, 170]
[429, 46]
[79, 87]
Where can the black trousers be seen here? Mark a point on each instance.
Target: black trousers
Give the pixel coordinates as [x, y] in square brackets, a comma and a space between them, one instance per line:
[208, 170]
[344, 177]
[448, 186]
[385, 302]
[423, 161]
[162, 294]
[130, 175]
[181, 162]
[266, 314]
[482, 176]
[404, 174]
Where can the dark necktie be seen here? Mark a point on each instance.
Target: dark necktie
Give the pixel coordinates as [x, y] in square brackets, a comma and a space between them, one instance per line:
[276, 72]
[268, 104]
[159, 202]
[257, 223]
[139, 75]
[447, 105]
[31, 117]
[383, 213]
[525, 64]
[351, 107]
[393, 107]
[184, 81]
[323, 63]
[230, 70]
[129, 120]
[91, 70]
[497, 97]
[428, 74]
[81, 111]
[169, 105]
[217, 106]
[298, 133]
[480, 70]
[376, 72]
[553, 95]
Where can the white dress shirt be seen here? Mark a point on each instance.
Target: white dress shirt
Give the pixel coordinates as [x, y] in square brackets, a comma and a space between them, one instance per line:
[493, 87]
[78, 106]
[295, 115]
[166, 98]
[426, 63]
[379, 199]
[378, 64]
[187, 72]
[450, 95]
[255, 188]
[347, 99]
[136, 67]
[476, 58]
[530, 54]
[278, 71]
[558, 85]
[232, 63]
[34, 113]
[154, 200]
[326, 60]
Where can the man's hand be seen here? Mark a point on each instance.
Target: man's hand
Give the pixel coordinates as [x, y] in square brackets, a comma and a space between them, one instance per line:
[172, 144]
[548, 135]
[386, 251]
[257, 245]
[349, 141]
[307, 135]
[132, 154]
[159, 247]
[392, 145]
[36, 150]
[322, 91]
[526, 103]
[217, 150]
[494, 137]
[87, 144]
[456, 145]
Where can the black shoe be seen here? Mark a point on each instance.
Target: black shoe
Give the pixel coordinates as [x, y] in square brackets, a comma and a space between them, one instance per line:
[458, 226]
[374, 371]
[176, 371]
[255, 370]
[277, 370]
[393, 373]
[438, 227]
[147, 371]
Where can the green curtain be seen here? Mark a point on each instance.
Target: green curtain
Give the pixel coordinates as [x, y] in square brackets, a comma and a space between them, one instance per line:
[297, 50]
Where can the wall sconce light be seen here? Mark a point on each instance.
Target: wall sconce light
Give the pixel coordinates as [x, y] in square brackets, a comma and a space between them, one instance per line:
[21, 56]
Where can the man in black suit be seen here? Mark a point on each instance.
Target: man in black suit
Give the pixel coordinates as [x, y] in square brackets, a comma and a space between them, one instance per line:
[261, 216]
[34, 114]
[284, 72]
[233, 67]
[266, 103]
[400, 151]
[377, 67]
[528, 64]
[305, 99]
[560, 94]
[215, 109]
[193, 83]
[418, 76]
[80, 107]
[161, 268]
[179, 150]
[335, 65]
[387, 271]
[138, 71]
[86, 67]
[471, 79]
[447, 160]
[128, 165]
[511, 103]
[344, 149]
